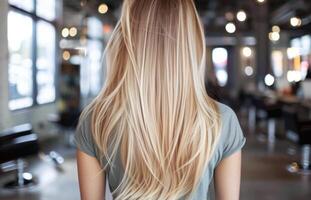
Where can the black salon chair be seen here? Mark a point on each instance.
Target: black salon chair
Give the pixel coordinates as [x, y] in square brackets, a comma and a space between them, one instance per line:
[274, 112]
[298, 131]
[249, 100]
[66, 123]
[268, 110]
[16, 144]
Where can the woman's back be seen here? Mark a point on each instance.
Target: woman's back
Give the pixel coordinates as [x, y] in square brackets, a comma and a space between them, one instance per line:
[154, 127]
[231, 140]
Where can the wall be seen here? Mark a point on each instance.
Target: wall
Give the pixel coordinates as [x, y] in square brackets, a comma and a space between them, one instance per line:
[8, 118]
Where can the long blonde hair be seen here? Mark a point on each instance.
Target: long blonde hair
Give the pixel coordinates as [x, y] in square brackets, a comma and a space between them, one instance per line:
[153, 110]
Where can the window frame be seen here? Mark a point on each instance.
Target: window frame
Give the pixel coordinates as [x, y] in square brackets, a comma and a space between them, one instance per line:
[35, 19]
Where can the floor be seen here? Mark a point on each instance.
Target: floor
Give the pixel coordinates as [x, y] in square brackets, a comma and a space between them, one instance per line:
[264, 174]
[54, 183]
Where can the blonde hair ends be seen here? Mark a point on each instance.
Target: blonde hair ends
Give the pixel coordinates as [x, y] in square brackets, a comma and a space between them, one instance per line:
[153, 110]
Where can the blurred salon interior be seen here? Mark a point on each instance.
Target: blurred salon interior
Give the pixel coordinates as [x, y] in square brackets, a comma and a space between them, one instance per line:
[51, 67]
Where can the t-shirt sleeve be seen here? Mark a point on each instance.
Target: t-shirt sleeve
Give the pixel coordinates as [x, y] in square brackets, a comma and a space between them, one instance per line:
[83, 138]
[234, 139]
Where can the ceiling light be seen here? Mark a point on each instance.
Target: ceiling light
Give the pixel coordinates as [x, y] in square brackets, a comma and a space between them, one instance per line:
[247, 52]
[269, 80]
[249, 71]
[274, 36]
[261, 1]
[65, 32]
[295, 21]
[230, 27]
[73, 31]
[276, 28]
[241, 16]
[103, 8]
[66, 55]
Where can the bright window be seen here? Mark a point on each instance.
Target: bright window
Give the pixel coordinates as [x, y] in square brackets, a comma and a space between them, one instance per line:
[20, 61]
[95, 65]
[94, 25]
[92, 73]
[220, 62]
[32, 54]
[46, 9]
[45, 62]
[277, 63]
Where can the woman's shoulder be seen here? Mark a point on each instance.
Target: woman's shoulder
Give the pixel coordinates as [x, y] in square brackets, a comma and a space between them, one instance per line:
[83, 137]
[85, 117]
[228, 116]
[231, 137]
[225, 111]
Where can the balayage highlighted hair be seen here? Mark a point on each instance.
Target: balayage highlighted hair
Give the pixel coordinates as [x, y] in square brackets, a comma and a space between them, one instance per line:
[153, 110]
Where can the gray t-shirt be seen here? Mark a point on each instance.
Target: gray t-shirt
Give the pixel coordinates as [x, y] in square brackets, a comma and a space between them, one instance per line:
[231, 140]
